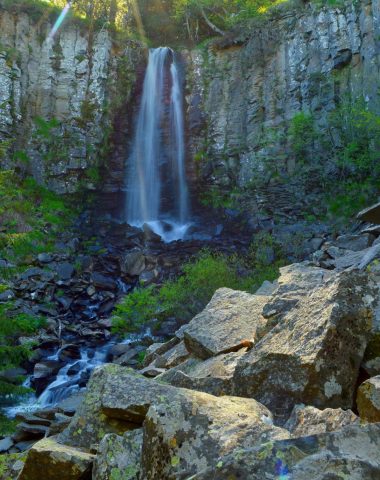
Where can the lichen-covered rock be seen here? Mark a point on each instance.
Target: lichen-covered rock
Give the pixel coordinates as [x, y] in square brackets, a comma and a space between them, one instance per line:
[306, 421]
[228, 323]
[213, 375]
[119, 458]
[117, 400]
[351, 453]
[313, 354]
[186, 435]
[53, 461]
[368, 400]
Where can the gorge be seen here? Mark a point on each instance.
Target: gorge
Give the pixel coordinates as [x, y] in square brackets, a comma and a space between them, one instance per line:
[187, 287]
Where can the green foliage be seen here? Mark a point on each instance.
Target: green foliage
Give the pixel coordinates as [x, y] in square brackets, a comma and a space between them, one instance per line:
[187, 295]
[13, 325]
[32, 217]
[302, 134]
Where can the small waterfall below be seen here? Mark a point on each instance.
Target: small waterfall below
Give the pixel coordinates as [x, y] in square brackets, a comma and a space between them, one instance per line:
[157, 192]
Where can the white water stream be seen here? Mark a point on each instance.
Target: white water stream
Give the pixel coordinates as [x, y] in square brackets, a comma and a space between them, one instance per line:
[156, 166]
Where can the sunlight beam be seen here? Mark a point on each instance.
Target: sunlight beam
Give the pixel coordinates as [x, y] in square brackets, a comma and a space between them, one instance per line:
[59, 21]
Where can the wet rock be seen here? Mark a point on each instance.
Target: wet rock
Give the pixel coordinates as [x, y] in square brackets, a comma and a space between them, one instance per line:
[306, 421]
[149, 234]
[228, 323]
[102, 282]
[348, 453]
[119, 457]
[186, 434]
[48, 459]
[368, 400]
[32, 419]
[43, 374]
[70, 405]
[69, 353]
[313, 354]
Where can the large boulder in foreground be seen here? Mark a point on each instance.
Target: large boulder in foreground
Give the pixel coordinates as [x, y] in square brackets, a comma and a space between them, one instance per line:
[351, 453]
[51, 460]
[228, 323]
[117, 400]
[368, 400]
[313, 353]
[119, 457]
[186, 435]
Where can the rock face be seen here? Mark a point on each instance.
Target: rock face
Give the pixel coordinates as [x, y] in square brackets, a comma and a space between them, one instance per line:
[369, 400]
[185, 435]
[313, 354]
[50, 460]
[119, 457]
[351, 453]
[301, 60]
[228, 323]
[71, 79]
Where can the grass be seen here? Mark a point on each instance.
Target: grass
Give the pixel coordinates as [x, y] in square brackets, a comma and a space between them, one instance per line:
[188, 294]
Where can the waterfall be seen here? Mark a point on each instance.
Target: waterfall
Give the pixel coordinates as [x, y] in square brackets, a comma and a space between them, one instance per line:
[157, 192]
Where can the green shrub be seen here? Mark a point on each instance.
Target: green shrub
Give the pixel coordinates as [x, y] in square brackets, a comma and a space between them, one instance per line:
[13, 325]
[187, 295]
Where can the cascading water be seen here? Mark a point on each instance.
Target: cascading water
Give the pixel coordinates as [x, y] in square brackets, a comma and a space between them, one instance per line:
[157, 192]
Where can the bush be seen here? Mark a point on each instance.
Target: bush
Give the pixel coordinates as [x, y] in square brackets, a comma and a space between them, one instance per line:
[187, 295]
[12, 326]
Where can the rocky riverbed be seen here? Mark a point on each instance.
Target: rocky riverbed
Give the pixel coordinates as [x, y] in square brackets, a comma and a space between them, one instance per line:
[283, 383]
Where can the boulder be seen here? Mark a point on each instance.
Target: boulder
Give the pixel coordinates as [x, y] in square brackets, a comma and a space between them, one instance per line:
[313, 354]
[306, 421]
[119, 457]
[65, 271]
[354, 243]
[351, 453]
[213, 375]
[368, 400]
[69, 353]
[117, 400]
[51, 460]
[173, 357]
[371, 214]
[187, 434]
[228, 323]
[133, 263]
[102, 282]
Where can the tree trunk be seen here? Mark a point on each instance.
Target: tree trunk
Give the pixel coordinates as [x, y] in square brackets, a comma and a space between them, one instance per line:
[210, 24]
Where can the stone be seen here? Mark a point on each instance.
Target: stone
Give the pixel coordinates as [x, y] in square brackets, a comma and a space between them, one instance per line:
[173, 357]
[26, 431]
[65, 271]
[370, 214]
[228, 323]
[306, 421]
[102, 282]
[351, 453]
[354, 243]
[45, 258]
[128, 357]
[151, 371]
[69, 353]
[133, 263]
[7, 295]
[51, 460]
[70, 405]
[118, 350]
[187, 434]
[214, 375]
[5, 444]
[313, 354]
[119, 457]
[368, 400]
